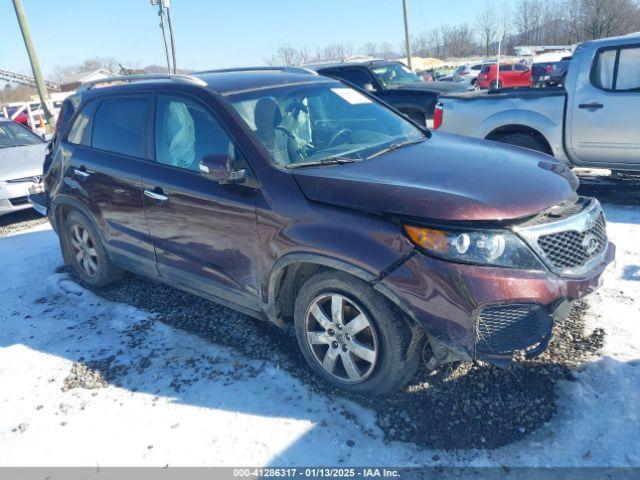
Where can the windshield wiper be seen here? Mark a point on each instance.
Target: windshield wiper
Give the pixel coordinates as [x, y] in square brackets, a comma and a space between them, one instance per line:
[395, 146]
[323, 161]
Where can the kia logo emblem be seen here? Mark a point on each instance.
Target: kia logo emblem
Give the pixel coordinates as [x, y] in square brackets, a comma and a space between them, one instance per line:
[590, 244]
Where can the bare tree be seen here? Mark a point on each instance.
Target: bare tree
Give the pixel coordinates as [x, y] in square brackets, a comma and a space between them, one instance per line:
[487, 25]
[528, 19]
[19, 93]
[62, 72]
[386, 50]
[533, 22]
[604, 18]
[370, 49]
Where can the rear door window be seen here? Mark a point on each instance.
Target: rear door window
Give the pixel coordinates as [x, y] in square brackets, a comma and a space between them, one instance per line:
[617, 69]
[521, 68]
[357, 76]
[119, 125]
[628, 77]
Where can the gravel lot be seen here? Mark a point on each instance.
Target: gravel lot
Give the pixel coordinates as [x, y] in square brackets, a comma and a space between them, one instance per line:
[22, 220]
[462, 406]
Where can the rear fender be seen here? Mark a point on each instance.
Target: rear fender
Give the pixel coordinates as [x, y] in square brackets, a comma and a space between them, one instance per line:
[550, 129]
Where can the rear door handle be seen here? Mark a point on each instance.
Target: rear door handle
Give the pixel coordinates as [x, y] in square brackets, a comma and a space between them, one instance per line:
[156, 194]
[591, 106]
[81, 172]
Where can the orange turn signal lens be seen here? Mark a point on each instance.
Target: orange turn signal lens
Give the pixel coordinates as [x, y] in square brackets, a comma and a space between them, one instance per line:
[428, 238]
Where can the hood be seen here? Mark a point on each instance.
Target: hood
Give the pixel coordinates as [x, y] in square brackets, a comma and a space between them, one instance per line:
[447, 178]
[437, 87]
[21, 162]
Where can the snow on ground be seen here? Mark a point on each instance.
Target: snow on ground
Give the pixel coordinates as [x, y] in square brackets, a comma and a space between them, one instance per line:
[185, 401]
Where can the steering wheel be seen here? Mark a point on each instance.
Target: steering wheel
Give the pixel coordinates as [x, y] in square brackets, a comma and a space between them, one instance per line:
[342, 134]
[293, 152]
[286, 132]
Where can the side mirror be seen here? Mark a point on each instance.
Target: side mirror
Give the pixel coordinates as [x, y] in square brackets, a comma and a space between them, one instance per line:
[369, 88]
[217, 167]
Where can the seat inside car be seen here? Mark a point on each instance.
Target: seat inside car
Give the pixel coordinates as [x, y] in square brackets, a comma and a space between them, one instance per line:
[267, 118]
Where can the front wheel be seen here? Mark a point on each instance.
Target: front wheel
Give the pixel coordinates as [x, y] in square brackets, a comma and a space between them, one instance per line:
[352, 337]
[85, 252]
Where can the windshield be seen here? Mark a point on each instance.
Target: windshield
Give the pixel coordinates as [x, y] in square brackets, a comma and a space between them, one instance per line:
[303, 124]
[394, 75]
[14, 135]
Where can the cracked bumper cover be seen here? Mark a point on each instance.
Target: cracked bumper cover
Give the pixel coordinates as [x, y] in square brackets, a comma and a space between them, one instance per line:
[446, 298]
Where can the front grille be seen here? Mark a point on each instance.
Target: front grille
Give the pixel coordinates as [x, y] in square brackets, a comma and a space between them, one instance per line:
[16, 202]
[569, 238]
[571, 249]
[505, 328]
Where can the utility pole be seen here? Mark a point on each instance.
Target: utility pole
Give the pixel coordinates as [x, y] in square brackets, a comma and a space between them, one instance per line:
[164, 33]
[406, 34]
[167, 6]
[33, 59]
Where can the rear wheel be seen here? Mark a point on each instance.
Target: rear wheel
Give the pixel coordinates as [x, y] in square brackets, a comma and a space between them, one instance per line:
[352, 337]
[85, 252]
[495, 85]
[524, 140]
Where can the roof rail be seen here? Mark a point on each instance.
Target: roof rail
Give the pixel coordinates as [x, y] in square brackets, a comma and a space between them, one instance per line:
[263, 69]
[181, 78]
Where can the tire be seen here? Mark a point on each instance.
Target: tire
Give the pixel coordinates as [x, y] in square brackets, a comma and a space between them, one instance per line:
[495, 85]
[85, 253]
[524, 140]
[384, 331]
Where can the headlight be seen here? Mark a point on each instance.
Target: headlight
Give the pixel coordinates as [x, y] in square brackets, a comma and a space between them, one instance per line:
[499, 248]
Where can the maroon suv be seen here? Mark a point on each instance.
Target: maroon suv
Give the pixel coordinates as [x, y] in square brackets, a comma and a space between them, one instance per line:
[295, 198]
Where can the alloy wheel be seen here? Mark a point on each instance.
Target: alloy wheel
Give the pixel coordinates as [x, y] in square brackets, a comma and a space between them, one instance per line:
[341, 337]
[84, 250]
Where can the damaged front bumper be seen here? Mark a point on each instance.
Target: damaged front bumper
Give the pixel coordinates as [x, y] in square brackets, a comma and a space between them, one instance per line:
[487, 313]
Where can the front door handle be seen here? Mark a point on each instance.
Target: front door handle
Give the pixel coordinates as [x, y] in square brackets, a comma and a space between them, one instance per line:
[157, 194]
[591, 106]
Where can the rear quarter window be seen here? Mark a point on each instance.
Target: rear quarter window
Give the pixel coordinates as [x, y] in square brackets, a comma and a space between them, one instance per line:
[80, 132]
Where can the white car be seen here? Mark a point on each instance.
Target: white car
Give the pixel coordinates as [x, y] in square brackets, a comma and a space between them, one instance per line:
[468, 73]
[22, 154]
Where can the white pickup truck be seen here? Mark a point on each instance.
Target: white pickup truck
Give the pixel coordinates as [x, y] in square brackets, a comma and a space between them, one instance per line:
[594, 121]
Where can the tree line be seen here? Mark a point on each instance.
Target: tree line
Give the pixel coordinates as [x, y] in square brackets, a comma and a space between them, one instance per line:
[519, 22]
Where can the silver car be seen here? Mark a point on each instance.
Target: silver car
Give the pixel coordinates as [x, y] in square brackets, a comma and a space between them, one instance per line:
[21, 157]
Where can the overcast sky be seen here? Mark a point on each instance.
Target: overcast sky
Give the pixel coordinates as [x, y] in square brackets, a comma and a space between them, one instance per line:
[210, 33]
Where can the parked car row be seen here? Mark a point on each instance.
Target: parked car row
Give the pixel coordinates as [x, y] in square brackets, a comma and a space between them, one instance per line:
[591, 122]
[321, 201]
[393, 83]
